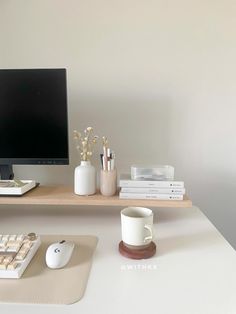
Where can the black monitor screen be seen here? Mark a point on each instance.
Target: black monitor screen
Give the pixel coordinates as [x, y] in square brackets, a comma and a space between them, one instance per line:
[33, 116]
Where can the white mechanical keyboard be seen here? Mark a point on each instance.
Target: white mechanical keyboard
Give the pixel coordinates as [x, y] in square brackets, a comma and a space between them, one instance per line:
[16, 252]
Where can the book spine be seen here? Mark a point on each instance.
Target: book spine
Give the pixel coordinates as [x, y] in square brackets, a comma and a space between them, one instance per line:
[154, 190]
[144, 196]
[151, 184]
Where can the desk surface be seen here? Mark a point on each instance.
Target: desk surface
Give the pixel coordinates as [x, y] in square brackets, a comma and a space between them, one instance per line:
[193, 272]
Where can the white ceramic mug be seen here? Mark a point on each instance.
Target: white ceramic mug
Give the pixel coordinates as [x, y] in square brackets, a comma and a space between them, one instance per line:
[136, 226]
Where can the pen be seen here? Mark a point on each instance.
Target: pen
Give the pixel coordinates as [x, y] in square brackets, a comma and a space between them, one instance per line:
[101, 156]
[104, 158]
[109, 165]
[108, 156]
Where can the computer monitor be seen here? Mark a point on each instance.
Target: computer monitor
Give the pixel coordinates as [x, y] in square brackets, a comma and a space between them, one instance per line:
[33, 118]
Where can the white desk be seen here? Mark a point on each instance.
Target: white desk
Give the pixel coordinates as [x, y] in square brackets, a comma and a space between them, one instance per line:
[194, 271]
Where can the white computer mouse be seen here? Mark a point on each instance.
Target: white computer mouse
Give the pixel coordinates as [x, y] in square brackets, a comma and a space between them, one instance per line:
[58, 254]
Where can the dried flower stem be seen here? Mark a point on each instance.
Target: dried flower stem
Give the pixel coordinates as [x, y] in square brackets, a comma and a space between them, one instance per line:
[85, 145]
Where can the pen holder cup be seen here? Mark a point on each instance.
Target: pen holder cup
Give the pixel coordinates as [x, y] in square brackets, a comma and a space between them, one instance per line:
[108, 182]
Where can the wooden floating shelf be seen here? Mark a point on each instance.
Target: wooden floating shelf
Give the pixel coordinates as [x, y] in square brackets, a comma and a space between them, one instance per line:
[63, 195]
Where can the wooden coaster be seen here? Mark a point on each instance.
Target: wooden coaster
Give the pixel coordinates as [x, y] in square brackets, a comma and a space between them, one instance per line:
[142, 253]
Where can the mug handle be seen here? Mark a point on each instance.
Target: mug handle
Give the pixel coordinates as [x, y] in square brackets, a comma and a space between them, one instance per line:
[151, 234]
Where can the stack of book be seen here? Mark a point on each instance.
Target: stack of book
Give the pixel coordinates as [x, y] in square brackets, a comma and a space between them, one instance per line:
[145, 189]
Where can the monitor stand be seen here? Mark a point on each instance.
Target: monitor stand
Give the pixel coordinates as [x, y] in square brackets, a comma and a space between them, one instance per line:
[6, 172]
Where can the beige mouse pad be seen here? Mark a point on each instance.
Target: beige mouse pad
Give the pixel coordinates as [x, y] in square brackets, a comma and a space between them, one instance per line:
[42, 285]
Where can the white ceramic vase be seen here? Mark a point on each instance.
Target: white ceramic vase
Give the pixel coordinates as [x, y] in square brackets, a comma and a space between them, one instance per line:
[85, 179]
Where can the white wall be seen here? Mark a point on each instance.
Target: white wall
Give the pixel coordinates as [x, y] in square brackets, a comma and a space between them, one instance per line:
[157, 77]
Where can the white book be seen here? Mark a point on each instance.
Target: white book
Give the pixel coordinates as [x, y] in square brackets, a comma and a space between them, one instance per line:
[9, 187]
[154, 190]
[145, 196]
[125, 181]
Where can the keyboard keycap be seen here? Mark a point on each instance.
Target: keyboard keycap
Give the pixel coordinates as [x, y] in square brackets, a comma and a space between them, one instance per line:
[16, 252]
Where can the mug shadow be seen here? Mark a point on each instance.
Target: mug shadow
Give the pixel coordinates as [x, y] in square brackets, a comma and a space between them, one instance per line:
[168, 215]
[182, 243]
